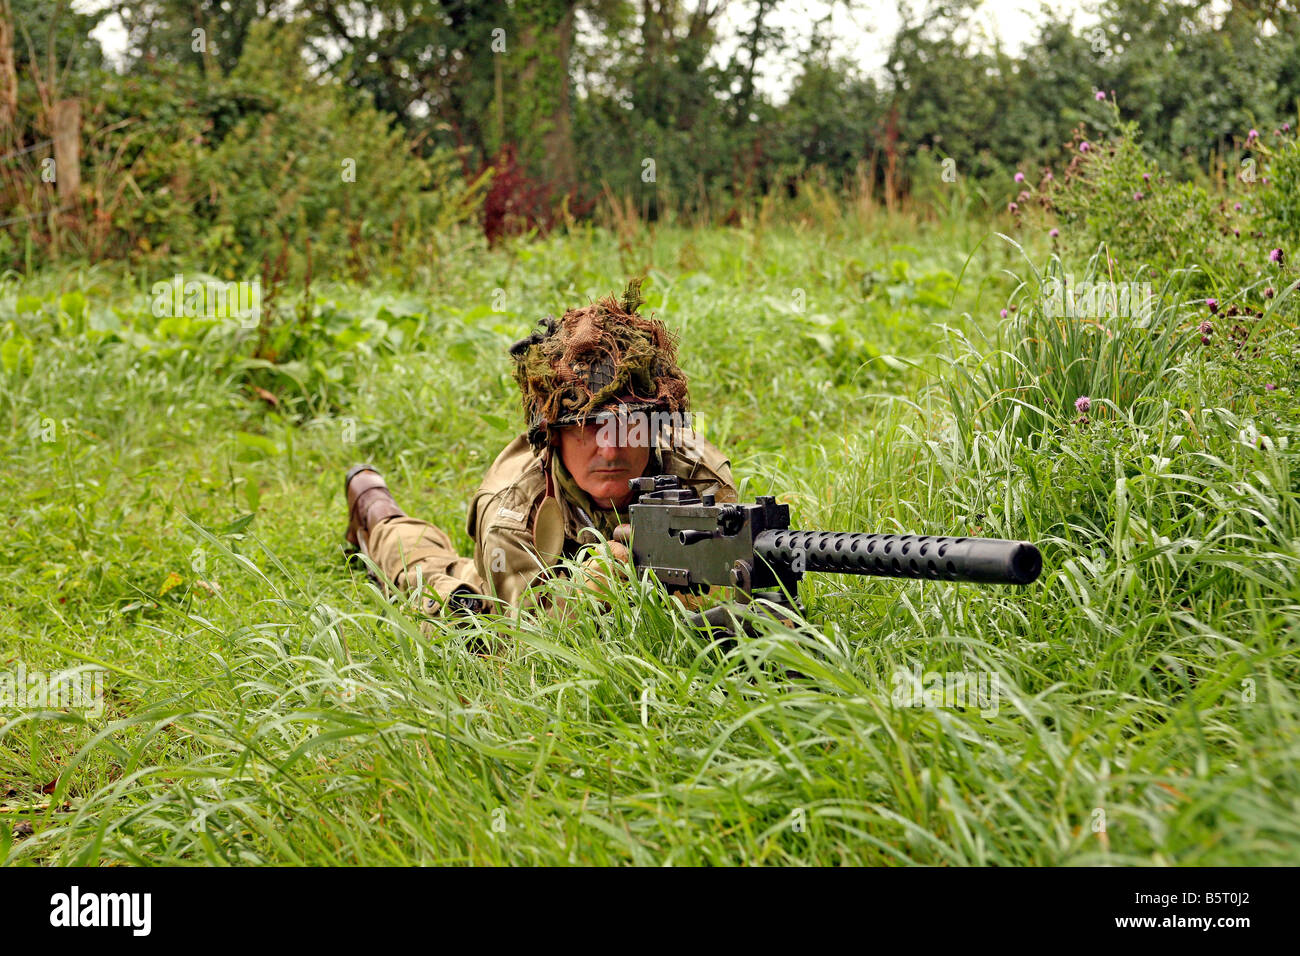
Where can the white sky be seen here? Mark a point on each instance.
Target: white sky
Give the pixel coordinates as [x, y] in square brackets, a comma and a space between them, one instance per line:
[861, 34]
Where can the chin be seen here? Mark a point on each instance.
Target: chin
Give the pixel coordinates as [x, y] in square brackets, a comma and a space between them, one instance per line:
[605, 491]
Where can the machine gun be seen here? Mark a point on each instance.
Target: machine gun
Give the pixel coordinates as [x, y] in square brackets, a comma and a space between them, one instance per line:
[692, 543]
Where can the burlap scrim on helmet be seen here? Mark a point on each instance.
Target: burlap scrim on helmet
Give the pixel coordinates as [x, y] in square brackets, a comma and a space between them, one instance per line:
[571, 368]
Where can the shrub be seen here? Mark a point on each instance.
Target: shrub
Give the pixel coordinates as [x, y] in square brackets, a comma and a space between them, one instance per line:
[1112, 193]
[1277, 201]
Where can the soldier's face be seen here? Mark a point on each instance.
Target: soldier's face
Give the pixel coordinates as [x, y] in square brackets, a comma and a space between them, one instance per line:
[600, 464]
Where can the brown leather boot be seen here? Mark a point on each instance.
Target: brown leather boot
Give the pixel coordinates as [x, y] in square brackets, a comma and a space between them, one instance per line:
[369, 502]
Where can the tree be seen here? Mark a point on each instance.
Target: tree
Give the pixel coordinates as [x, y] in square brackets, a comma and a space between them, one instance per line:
[208, 35]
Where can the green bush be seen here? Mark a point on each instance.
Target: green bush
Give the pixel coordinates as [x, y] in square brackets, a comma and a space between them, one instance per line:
[1113, 194]
[1278, 197]
[256, 173]
[319, 168]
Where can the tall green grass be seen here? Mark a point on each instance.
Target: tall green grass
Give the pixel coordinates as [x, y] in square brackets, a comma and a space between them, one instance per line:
[271, 707]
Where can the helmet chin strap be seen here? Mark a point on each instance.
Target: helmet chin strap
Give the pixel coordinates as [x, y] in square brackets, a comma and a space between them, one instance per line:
[547, 451]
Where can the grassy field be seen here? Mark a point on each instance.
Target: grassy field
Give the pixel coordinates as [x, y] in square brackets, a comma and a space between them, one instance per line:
[175, 516]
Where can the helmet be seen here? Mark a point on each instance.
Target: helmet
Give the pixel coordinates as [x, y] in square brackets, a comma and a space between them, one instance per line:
[599, 356]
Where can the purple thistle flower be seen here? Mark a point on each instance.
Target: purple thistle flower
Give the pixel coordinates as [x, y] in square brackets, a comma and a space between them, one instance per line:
[1237, 206]
[1084, 147]
[1047, 176]
[1003, 313]
[1269, 292]
[1270, 387]
[1252, 135]
[1206, 328]
[1012, 207]
[1101, 95]
[1082, 404]
[1236, 232]
[1213, 305]
[1019, 177]
[1205, 340]
[1276, 256]
[1054, 232]
[1146, 177]
[1137, 196]
[1286, 127]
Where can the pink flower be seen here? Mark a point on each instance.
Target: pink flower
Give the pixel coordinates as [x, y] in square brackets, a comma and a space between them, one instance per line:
[1012, 207]
[1252, 135]
[1003, 313]
[1101, 95]
[1206, 328]
[1270, 387]
[1146, 177]
[1024, 196]
[1269, 292]
[1137, 196]
[1286, 127]
[1054, 232]
[1084, 147]
[1019, 177]
[1213, 304]
[1237, 206]
[1082, 404]
[1276, 256]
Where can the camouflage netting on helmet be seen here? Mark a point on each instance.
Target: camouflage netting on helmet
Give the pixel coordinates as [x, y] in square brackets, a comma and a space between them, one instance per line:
[571, 368]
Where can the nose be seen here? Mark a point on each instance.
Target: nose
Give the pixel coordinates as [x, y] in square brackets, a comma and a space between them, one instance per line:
[607, 451]
[607, 442]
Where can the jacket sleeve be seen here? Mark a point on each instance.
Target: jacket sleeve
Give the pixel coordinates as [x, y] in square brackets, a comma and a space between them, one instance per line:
[503, 550]
[508, 562]
[706, 470]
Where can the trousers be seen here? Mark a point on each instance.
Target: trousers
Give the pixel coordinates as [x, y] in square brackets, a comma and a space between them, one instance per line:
[412, 553]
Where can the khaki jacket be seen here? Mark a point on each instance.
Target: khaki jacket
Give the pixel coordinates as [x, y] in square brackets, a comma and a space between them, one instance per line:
[509, 553]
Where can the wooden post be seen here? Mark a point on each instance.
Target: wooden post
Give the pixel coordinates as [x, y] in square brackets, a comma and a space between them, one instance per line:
[67, 149]
[8, 76]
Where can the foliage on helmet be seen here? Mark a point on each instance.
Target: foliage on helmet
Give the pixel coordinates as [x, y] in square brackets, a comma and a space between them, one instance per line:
[602, 354]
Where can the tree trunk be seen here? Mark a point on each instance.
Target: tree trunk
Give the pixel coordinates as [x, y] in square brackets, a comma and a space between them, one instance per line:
[543, 111]
[558, 140]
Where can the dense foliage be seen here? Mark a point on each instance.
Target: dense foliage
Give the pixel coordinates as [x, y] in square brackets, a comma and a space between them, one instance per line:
[210, 148]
